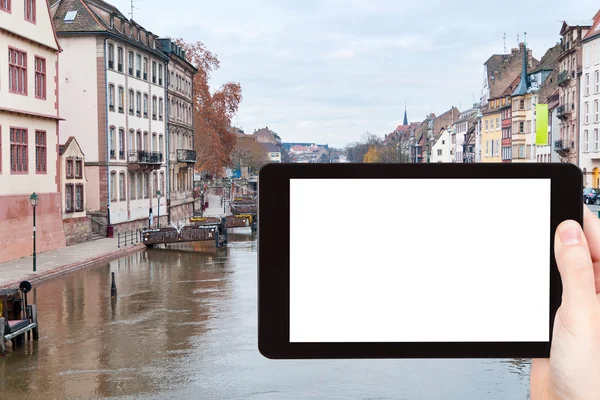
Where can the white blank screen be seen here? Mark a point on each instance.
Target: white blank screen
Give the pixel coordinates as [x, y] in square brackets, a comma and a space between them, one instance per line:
[419, 260]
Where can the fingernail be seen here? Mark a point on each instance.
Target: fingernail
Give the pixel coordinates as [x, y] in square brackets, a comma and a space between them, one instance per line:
[570, 234]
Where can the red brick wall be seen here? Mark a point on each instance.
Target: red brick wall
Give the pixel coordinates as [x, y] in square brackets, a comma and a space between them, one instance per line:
[16, 225]
[77, 230]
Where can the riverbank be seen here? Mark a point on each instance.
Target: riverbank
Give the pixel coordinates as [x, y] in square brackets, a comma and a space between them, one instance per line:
[59, 262]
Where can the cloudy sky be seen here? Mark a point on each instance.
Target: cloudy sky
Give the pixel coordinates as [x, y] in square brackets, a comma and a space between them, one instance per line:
[327, 71]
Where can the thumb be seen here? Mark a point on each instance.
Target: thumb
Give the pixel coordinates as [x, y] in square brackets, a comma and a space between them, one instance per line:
[575, 266]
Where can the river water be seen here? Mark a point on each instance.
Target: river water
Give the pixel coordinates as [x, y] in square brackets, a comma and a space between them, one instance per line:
[184, 327]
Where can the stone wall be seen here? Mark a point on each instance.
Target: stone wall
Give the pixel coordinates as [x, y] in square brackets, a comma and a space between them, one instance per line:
[16, 225]
[77, 230]
[181, 212]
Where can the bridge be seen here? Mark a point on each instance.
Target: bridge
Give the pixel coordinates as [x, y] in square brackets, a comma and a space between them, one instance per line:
[243, 213]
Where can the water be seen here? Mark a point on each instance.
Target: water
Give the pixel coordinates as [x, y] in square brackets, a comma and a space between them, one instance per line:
[184, 327]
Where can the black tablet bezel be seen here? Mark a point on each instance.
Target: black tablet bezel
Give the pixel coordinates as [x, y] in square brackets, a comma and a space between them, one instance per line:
[273, 255]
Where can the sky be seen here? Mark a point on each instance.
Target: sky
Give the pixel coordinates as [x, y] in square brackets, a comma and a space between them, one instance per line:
[328, 71]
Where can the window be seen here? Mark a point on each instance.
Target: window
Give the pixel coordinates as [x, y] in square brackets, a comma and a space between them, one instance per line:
[113, 186]
[122, 186]
[160, 74]
[130, 102]
[138, 101]
[111, 142]
[596, 112]
[30, 11]
[69, 169]
[120, 59]
[40, 152]
[522, 151]
[145, 105]
[130, 65]
[17, 71]
[162, 182]
[439, 152]
[130, 142]
[160, 108]
[497, 123]
[521, 127]
[78, 169]
[145, 69]
[5, 5]
[155, 187]
[111, 56]
[587, 84]
[18, 151]
[121, 143]
[139, 186]
[596, 140]
[153, 71]
[69, 198]
[586, 144]
[121, 99]
[154, 107]
[598, 80]
[138, 66]
[40, 77]
[111, 97]
[79, 197]
[160, 144]
[146, 184]
[522, 105]
[586, 113]
[131, 186]
[487, 123]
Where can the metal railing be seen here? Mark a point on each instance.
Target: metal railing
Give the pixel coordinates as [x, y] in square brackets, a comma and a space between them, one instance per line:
[145, 157]
[563, 77]
[129, 237]
[185, 155]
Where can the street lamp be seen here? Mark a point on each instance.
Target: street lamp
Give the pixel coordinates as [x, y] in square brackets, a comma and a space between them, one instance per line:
[158, 196]
[33, 199]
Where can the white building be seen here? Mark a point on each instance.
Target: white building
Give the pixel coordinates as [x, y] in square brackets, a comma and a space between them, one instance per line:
[589, 160]
[442, 147]
[459, 130]
[113, 86]
[29, 122]
[180, 124]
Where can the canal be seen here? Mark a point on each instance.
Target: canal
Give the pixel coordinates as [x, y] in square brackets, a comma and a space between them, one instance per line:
[184, 327]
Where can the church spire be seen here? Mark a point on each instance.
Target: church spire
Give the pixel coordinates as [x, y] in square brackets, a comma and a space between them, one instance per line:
[405, 116]
[523, 84]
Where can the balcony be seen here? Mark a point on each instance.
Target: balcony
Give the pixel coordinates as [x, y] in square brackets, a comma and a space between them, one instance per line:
[564, 111]
[561, 147]
[186, 156]
[563, 78]
[146, 160]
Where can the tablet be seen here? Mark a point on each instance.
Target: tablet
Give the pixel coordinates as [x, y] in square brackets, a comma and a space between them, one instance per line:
[411, 260]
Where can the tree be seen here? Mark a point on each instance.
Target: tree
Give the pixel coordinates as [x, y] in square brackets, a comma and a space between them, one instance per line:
[372, 156]
[249, 153]
[355, 152]
[214, 138]
[285, 156]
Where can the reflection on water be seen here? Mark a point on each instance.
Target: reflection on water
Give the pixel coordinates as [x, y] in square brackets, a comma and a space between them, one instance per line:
[184, 327]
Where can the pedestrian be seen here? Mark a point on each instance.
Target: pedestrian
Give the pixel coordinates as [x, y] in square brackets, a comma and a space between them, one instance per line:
[573, 370]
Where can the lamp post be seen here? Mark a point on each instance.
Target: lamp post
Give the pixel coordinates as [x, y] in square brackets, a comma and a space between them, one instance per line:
[158, 196]
[33, 199]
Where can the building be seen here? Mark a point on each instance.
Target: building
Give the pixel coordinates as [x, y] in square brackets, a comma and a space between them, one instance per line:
[76, 224]
[461, 131]
[116, 70]
[180, 132]
[491, 130]
[589, 161]
[570, 60]
[442, 147]
[522, 117]
[265, 135]
[29, 129]
[273, 152]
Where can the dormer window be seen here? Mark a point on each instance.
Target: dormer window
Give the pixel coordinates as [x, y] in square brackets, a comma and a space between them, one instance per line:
[112, 22]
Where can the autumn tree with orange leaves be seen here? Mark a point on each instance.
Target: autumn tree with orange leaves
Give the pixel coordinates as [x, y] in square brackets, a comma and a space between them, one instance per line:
[214, 138]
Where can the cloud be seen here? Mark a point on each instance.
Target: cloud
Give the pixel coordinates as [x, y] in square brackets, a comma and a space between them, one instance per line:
[343, 54]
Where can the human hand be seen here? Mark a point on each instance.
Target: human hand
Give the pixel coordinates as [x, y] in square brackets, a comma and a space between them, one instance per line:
[573, 370]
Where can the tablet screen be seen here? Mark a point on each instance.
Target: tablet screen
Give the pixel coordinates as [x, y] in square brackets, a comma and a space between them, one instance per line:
[419, 260]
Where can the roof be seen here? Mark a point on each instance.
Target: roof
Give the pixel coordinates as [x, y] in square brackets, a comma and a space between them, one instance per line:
[93, 17]
[549, 59]
[503, 68]
[570, 24]
[271, 148]
[594, 31]
[63, 147]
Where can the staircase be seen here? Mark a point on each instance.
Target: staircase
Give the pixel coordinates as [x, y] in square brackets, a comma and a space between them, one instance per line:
[96, 236]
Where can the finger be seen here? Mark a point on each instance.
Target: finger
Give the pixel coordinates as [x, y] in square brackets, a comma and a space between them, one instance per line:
[591, 228]
[575, 266]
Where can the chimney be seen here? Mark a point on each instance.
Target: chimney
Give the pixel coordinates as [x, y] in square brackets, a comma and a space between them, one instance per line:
[530, 58]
